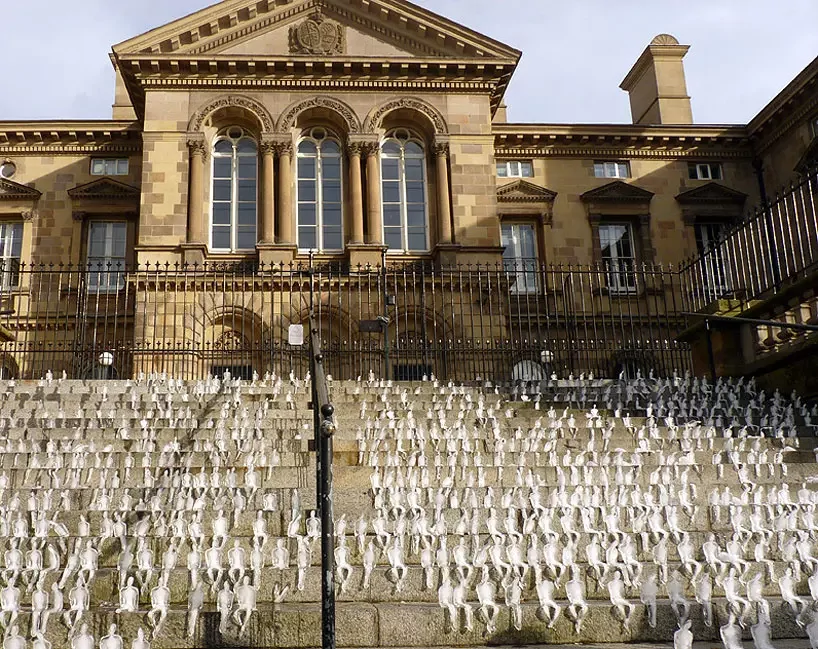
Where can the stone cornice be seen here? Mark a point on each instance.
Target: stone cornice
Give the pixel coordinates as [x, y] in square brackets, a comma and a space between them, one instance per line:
[621, 140]
[806, 80]
[69, 137]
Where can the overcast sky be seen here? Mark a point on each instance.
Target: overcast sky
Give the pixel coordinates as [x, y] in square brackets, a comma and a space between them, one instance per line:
[575, 52]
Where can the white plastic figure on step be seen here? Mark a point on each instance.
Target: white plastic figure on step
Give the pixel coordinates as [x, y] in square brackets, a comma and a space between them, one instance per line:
[83, 640]
[704, 596]
[236, 561]
[140, 642]
[13, 639]
[575, 592]
[303, 559]
[128, 598]
[111, 641]
[245, 605]
[79, 600]
[762, 634]
[683, 637]
[195, 602]
[40, 642]
[648, 592]
[160, 604]
[616, 591]
[675, 592]
[397, 570]
[9, 606]
[731, 634]
[224, 603]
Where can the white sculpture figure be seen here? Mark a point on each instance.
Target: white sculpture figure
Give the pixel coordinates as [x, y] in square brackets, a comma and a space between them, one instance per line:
[13, 639]
[343, 568]
[221, 528]
[195, 602]
[303, 559]
[548, 610]
[213, 561]
[128, 598]
[460, 598]
[78, 600]
[160, 603]
[281, 555]
[9, 606]
[616, 592]
[124, 563]
[83, 640]
[140, 642]
[370, 560]
[648, 592]
[577, 606]
[13, 558]
[787, 585]
[427, 564]
[813, 585]
[397, 570]
[236, 561]
[513, 588]
[731, 634]
[245, 605]
[57, 604]
[704, 596]
[260, 535]
[39, 608]
[40, 642]
[486, 594]
[194, 563]
[89, 561]
[144, 565]
[812, 632]
[34, 566]
[755, 596]
[257, 561]
[676, 594]
[113, 640]
[683, 638]
[761, 634]
[445, 598]
[224, 602]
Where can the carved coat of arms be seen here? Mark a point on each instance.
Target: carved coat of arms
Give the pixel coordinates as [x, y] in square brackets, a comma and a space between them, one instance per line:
[317, 35]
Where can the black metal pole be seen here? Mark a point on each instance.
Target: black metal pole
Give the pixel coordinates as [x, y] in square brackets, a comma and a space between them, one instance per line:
[711, 358]
[385, 320]
[323, 412]
[768, 222]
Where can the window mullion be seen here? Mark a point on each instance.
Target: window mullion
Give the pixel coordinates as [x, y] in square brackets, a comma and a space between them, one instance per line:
[404, 203]
[319, 199]
[234, 203]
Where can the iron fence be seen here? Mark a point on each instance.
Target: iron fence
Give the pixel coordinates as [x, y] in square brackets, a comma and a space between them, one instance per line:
[774, 247]
[402, 321]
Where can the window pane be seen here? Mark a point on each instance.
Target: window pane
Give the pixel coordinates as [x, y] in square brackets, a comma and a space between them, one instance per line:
[502, 170]
[416, 216]
[119, 235]
[415, 193]
[528, 249]
[96, 240]
[414, 170]
[331, 168]
[332, 191]
[599, 170]
[391, 215]
[391, 147]
[221, 213]
[332, 238]
[122, 167]
[306, 191]
[221, 238]
[307, 167]
[715, 172]
[224, 146]
[417, 239]
[247, 238]
[331, 147]
[391, 192]
[527, 170]
[391, 169]
[98, 167]
[306, 214]
[247, 146]
[110, 167]
[623, 170]
[222, 190]
[392, 238]
[332, 215]
[307, 238]
[222, 167]
[413, 148]
[247, 214]
[247, 190]
[247, 168]
[308, 147]
[16, 240]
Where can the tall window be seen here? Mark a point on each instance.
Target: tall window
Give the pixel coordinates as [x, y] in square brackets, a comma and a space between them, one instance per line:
[708, 236]
[235, 192]
[618, 258]
[107, 243]
[403, 172]
[520, 256]
[320, 192]
[11, 249]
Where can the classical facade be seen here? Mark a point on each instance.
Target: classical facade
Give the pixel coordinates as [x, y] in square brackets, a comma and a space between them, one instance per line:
[282, 133]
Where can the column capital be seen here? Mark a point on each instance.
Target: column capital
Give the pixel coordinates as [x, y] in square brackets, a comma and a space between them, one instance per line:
[442, 149]
[196, 143]
[370, 148]
[29, 215]
[355, 148]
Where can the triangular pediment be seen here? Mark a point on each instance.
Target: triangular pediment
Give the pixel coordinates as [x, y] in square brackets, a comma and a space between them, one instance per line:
[618, 192]
[275, 28]
[712, 193]
[12, 191]
[522, 191]
[104, 189]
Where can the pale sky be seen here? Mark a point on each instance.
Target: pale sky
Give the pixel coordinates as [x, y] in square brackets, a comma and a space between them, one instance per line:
[575, 52]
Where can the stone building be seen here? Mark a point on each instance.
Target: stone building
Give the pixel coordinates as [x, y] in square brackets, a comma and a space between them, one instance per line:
[341, 133]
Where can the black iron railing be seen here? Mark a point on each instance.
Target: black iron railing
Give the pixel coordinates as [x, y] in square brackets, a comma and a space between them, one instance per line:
[774, 247]
[463, 323]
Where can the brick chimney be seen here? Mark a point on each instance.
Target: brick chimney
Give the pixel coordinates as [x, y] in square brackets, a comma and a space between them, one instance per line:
[657, 85]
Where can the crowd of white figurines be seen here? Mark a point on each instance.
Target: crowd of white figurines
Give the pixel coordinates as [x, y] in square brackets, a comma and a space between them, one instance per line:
[490, 509]
[626, 519]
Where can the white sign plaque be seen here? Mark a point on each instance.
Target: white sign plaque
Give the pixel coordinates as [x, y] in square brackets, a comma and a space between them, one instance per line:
[296, 335]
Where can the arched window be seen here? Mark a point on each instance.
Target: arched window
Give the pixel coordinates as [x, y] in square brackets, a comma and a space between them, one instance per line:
[403, 174]
[235, 192]
[320, 192]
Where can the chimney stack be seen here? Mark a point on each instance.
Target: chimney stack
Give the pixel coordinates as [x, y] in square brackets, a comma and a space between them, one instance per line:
[657, 85]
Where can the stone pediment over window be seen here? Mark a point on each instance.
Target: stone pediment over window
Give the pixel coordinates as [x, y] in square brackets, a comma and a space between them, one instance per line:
[106, 190]
[618, 192]
[369, 28]
[12, 191]
[524, 198]
[711, 201]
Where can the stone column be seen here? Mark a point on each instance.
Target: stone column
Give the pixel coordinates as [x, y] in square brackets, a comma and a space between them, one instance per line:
[356, 191]
[373, 191]
[196, 221]
[444, 210]
[286, 216]
[267, 216]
